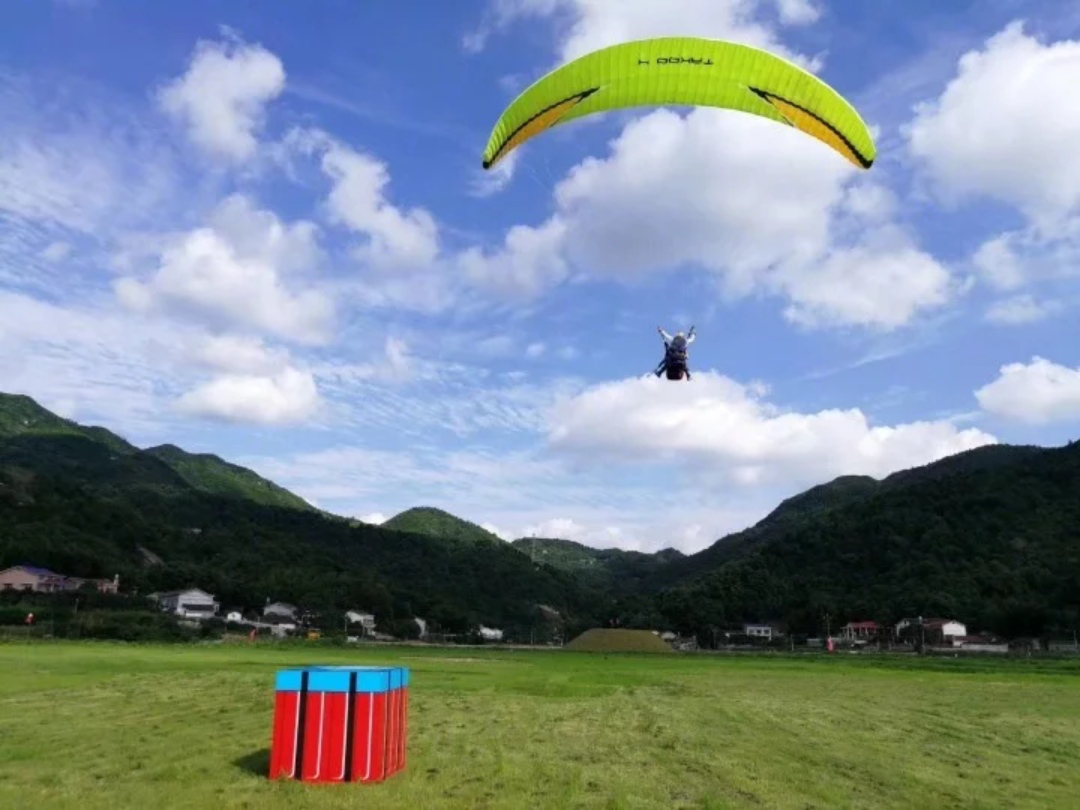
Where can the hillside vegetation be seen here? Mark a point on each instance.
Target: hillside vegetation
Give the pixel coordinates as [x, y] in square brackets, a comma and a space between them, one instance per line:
[431, 522]
[34, 438]
[990, 537]
[86, 503]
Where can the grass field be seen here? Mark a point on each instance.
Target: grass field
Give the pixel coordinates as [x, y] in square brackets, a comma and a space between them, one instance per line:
[86, 725]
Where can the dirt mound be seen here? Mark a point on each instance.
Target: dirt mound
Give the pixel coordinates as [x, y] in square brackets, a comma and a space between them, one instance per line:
[604, 639]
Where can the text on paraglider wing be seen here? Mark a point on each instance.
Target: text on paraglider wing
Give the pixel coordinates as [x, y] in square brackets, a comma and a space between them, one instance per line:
[676, 60]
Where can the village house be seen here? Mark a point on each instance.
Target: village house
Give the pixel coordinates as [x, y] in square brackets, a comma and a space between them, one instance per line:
[190, 604]
[490, 633]
[758, 630]
[42, 580]
[860, 631]
[422, 624]
[935, 631]
[280, 610]
[365, 620]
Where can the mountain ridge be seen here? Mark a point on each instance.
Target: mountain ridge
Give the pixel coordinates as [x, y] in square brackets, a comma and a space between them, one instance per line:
[986, 534]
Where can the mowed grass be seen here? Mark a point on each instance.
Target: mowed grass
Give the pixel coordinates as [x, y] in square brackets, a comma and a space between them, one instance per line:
[85, 725]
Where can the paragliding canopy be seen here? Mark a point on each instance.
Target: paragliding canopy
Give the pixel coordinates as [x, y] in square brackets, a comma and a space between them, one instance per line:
[684, 71]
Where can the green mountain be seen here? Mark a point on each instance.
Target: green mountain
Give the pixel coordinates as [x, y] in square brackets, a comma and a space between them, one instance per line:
[609, 568]
[840, 493]
[990, 537]
[211, 474]
[35, 438]
[165, 519]
[432, 522]
[20, 415]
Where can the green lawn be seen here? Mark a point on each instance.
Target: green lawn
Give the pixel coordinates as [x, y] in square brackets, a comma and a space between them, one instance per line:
[86, 725]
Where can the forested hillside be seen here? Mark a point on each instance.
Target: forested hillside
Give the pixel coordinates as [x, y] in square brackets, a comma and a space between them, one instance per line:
[86, 503]
[990, 537]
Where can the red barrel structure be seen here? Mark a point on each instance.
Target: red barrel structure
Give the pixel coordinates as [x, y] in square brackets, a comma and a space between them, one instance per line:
[340, 724]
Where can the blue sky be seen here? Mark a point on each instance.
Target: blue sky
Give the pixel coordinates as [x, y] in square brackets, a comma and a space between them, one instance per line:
[263, 232]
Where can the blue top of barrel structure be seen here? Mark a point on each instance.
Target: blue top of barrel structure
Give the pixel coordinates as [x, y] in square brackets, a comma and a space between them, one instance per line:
[336, 679]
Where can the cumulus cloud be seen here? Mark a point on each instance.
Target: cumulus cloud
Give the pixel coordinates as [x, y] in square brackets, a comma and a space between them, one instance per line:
[237, 354]
[395, 237]
[797, 12]
[374, 518]
[528, 263]
[729, 429]
[592, 24]
[882, 282]
[1001, 128]
[397, 256]
[222, 96]
[284, 397]
[245, 267]
[1001, 131]
[771, 211]
[1017, 259]
[1037, 393]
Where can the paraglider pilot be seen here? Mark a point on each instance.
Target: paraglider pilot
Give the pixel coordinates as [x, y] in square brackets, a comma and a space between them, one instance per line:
[675, 361]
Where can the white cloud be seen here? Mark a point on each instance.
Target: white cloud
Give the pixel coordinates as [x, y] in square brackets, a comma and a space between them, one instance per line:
[771, 210]
[374, 518]
[223, 95]
[396, 238]
[593, 24]
[488, 182]
[798, 12]
[528, 262]
[77, 158]
[870, 201]
[1017, 259]
[997, 263]
[883, 282]
[1020, 309]
[722, 427]
[237, 354]
[570, 529]
[233, 272]
[1004, 127]
[1037, 393]
[398, 361]
[56, 251]
[535, 349]
[285, 397]
[96, 364]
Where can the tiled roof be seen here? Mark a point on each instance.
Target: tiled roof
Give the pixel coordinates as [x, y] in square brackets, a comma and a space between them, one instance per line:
[41, 572]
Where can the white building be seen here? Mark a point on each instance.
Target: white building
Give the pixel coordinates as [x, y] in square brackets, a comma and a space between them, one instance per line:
[758, 630]
[190, 604]
[422, 624]
[234, 616]
[281, 610]
[366, 620]
[490, 633]
[936, 631]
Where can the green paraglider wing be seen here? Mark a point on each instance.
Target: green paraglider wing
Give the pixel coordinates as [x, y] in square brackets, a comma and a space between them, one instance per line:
[684, 71]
